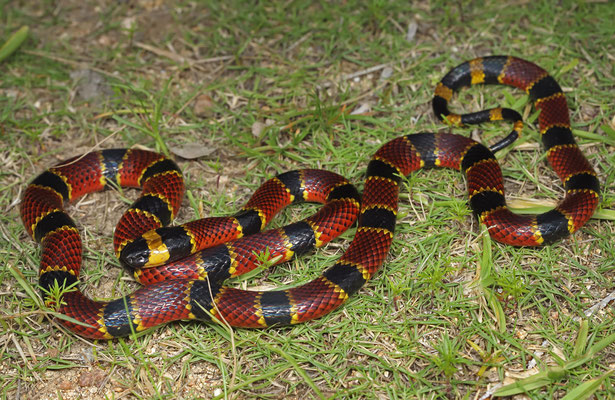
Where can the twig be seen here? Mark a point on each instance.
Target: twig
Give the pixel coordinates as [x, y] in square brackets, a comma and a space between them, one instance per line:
[600, 305]
[365, 71]
[214, 59]
[355, 74]
[76, 64]
[178, 58]
[298, 42]
[92, 148]
[164, 53]
[365, 94]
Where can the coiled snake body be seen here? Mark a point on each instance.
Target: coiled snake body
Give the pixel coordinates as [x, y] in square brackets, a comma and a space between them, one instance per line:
[191, 287]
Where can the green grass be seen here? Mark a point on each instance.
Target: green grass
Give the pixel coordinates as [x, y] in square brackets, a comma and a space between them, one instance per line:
[451, 315]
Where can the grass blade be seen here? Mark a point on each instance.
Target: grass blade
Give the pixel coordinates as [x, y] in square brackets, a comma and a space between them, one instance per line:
[542, 378]
[14, 42]
[581, 342]
[298, 369]
[486, 280]
[586, 389]
[24, 284]
[591, 352]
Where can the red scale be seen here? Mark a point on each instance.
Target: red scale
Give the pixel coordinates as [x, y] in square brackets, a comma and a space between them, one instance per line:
[135, 162]
[38, 201]
[381, 192]
[317, 185]
[368, 249]
[553, 112]
[239, 308]
[579, 206]
[456, 147]
[168, 186]
[483, 175]
[323, 298]
[269, 198]
[169, 303]
[512, 229]
[85, 310]
[131, 225]
[333, 219]
[399, 152]
[568, 160]
[62, 249]
[82, 174]
[208, 232]
[521, 74]
[247, 252]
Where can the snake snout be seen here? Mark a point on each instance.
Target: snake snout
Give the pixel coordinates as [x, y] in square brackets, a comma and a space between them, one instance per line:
[135, 254]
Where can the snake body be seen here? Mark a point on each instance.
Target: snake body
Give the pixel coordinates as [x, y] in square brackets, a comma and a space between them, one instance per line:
[192, 287]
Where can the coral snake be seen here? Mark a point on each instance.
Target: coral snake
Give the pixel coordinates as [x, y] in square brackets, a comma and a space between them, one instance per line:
[191, 287]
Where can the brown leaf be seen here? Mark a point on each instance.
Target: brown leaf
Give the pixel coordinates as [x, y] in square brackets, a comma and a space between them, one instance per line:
[91, 378]
[192, 151]
[203, 106]
[257, 128]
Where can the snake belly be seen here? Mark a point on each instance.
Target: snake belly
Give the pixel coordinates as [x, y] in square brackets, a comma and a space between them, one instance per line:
[192, 287]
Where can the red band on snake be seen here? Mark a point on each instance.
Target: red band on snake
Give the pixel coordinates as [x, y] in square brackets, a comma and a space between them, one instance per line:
[191, 286]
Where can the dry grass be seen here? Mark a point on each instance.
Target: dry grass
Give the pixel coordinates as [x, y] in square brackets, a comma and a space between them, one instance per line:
[275, 84]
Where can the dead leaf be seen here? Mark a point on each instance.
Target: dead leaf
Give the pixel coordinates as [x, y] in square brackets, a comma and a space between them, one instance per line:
[91, 378]
[257, 128]
[203, 106]
[386, 73]
[91, 86]
[192, 151]
[411, 32]
[361, 109]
